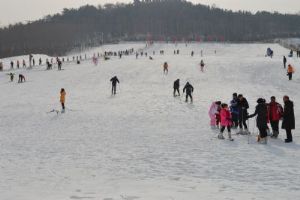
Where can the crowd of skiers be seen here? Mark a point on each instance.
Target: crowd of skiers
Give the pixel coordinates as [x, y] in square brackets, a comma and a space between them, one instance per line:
[236, 116]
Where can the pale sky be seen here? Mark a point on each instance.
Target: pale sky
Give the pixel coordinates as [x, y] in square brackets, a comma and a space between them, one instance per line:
[12, 11]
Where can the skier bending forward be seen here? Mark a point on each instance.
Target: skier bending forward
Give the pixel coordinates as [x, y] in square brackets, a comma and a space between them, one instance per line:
[189, 89]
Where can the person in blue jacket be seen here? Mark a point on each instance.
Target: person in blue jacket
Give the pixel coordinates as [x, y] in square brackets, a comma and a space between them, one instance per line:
[234, 109]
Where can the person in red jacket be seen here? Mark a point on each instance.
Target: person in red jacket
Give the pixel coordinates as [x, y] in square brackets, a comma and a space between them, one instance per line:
[275, 111]
[226, 121]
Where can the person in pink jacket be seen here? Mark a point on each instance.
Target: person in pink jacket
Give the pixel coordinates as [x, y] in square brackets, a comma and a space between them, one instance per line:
[226, 121]
[213, 112]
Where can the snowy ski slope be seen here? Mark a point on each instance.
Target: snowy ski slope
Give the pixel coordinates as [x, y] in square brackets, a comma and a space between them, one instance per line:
[143, 143]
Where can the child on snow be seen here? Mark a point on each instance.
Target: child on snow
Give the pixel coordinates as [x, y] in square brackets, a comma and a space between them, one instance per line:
[62, 99]
[226, 121]
[214, 114]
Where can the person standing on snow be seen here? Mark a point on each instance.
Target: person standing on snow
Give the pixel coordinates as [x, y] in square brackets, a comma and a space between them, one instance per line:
[275, 114]
[284, 62]
[189, 89]
[176, 87]
[261, 111]
[166, 68]
[62, 99]
[288, 122]
[243, 107]
[234, 110]
[202, 65]
[213, 113]
[11, 75]
[11, 65]
[24, 64]
[114, 80]
[290, 72]
[226, 122]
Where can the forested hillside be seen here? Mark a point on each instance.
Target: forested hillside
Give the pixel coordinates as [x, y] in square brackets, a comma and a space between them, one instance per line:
[152, 20]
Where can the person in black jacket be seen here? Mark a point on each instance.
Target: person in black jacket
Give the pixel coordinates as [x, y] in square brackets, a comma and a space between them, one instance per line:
[189, 89]
[114, 80]
[288, 122]
[176, 87]
[243, 107]
[261, 111]
[284, 62]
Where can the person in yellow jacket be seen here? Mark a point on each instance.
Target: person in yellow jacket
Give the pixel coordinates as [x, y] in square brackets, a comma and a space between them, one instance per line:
[62, 99]
[290, 71]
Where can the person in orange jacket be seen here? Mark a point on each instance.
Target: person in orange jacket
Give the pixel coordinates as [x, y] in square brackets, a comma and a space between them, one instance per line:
[290, 71]
[62, 99]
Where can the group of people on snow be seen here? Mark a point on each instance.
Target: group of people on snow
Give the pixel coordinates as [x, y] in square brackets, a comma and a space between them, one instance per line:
[236, 115]
[188, 90]
[21, 77]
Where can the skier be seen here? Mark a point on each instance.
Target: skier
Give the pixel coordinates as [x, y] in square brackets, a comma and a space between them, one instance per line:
[62, 99]
[226, 122]
[166, 68]
[214, 110]
[176, 87]
[24, 64]
[114, 80]
[21, 78]
[284, 62]
[189, 89]
[18, 64]
[192, 53]
[290, 72]
[275, 114]
[49, 65]
[270, 52]
[30, 59]
[202, 65]
[11, 65]
[261, 111]
[234, 110]
[288, 122]
[243, 106]
[11, 75]
[59, 63]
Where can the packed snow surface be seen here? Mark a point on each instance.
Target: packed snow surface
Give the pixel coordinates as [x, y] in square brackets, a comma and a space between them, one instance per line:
[143, 143]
